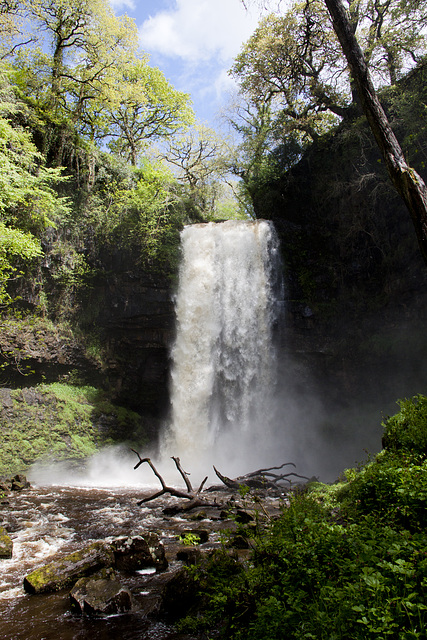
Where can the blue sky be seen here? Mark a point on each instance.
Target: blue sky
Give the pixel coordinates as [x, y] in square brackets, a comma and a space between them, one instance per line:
[194, 43]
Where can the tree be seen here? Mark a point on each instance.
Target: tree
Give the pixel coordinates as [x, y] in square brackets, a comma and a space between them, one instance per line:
[15, 247]
[87, 43]
[28, 201]
[96, 81]
[408, 183]
[250, 159]
[11, 28]
[201, 162]
[295, 59]
[293, 63]
[145, 108]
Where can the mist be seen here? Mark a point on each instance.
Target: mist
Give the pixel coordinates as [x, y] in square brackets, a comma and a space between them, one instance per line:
[242, 397]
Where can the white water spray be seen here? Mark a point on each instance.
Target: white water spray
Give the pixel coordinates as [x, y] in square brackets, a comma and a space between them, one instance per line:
[224, 363]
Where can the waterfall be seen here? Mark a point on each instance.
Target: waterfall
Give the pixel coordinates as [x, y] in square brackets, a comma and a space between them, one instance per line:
[224, 362]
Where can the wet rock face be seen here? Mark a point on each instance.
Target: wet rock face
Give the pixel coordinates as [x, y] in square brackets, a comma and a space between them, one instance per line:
[135, 313]
[179, 594]
[98, 596]
[139, 552]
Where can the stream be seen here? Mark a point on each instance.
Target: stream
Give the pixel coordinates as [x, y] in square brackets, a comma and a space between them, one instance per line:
[48, 522]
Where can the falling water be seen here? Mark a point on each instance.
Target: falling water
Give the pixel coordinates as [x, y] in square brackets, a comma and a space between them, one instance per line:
[224, 362]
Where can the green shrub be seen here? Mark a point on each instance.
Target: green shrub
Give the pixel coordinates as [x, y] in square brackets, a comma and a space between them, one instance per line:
[311, 578]
[393, 488]
[407, 430]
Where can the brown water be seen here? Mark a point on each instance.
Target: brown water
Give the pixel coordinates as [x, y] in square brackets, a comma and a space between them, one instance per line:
[48, 522]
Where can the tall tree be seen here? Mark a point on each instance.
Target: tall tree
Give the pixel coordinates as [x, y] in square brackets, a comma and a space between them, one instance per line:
[201, 163]
[408, 183]
[87, 44]
[295, 60]
[145, 108]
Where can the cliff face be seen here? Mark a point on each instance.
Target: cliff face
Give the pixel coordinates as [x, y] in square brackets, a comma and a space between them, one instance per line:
[125, 325]
[356, 285]
[133, 314]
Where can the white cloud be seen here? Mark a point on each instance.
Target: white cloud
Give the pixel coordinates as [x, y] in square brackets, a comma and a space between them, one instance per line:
[224, 83]
[198, 30]
[117, 5]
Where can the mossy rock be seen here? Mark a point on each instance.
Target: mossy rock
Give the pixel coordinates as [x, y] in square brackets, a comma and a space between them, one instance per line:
[6, 545]
[65, 572]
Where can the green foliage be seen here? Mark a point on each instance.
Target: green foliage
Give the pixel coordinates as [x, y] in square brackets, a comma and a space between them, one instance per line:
[392, 487]
[342, 561]
[144, 214]
[407, 430]
[313, 578]
[15, 246]
[189, 539]
[60, 421]
[27, 197]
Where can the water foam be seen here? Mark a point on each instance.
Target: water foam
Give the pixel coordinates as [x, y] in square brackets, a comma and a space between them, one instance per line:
[224, 361]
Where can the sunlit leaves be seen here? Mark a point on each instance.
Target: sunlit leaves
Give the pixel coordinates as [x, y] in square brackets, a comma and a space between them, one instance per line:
[144, 108]
[294, 60]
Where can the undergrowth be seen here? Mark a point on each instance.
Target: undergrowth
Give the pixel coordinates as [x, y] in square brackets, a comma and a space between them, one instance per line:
[347, 560]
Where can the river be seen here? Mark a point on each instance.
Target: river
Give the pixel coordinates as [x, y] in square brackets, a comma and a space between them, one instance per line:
[47, 522]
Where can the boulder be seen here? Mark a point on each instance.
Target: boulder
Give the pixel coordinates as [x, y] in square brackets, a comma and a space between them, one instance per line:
[6, 545]
[179, 595]
[100, 596]
[19, 482]
[139, 552]
[65, 572]
[189, 555]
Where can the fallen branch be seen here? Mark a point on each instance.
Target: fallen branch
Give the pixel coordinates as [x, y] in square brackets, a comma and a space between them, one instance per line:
[190, 494]
[262, 478]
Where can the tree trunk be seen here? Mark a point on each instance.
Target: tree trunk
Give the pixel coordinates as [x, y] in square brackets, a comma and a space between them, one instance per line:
[406, 180]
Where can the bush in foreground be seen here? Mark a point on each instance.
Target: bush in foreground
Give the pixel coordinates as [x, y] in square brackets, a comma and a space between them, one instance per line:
[342, 561]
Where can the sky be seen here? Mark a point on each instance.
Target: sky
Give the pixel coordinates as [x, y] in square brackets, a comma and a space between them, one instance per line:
[194, 43]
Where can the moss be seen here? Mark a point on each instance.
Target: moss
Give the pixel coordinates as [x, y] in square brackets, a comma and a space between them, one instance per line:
[65, 572]
[6, 545]
[59, 421]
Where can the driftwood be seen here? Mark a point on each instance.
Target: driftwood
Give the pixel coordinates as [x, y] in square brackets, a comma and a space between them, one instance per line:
[262, 478]
[190, 494]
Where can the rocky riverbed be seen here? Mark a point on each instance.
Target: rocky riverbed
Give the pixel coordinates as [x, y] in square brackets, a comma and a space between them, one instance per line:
[48, 523]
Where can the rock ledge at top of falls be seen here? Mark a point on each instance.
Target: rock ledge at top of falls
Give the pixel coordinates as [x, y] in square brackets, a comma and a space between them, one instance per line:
[126, 554]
